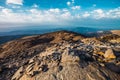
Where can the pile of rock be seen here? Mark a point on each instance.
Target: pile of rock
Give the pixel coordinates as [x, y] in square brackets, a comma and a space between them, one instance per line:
[61, 61]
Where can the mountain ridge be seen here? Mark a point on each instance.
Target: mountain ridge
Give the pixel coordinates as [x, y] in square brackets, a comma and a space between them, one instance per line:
[6, 38]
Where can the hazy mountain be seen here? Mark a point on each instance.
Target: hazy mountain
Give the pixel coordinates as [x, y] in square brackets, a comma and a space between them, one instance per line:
[90, 32]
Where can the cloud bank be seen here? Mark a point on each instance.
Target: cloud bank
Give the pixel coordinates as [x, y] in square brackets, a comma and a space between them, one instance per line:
[17, 2]
[54, 15]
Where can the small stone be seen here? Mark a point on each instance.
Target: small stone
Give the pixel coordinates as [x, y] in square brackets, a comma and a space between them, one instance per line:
[30, 67]
[101, 64]
[56, 56]
[34, 73]
[31, 61]
[60, 68]
[100, 53]
[0, 69]
[40, 68]
[44, 68]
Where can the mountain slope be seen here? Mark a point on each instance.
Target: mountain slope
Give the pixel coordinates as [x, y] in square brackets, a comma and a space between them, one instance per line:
[15, 53]
[59, 55]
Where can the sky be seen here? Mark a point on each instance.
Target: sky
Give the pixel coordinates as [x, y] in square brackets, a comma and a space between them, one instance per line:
[88, 13]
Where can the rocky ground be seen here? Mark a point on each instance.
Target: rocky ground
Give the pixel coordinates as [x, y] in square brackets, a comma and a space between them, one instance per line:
[61, 55]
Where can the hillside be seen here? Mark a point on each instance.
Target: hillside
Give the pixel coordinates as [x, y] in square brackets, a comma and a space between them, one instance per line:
[117, 32]
[61, 55]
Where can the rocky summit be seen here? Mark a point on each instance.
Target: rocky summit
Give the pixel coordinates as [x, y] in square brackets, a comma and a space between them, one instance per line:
[61, 55]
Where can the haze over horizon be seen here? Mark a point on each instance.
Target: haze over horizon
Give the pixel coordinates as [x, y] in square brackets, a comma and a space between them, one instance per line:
[16, 14]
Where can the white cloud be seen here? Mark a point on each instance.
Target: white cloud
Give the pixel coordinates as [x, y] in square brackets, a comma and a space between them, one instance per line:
[56, 10]
[6, 11]
[75, 7]
[54, 15]
[1, 7]
[7, 15]
[65, 10]
[35, 6]
[72, 6]
[114, 13]
[35, 11]
[86, 14]
[98, 13]
[68, 3]
[66, 15]
[17, 2]
[15, 6]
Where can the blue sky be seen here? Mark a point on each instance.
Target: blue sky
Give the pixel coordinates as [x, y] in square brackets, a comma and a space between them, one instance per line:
[89, 13]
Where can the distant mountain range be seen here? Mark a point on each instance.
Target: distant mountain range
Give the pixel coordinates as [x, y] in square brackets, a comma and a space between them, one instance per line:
[81, 30]
[89, 32]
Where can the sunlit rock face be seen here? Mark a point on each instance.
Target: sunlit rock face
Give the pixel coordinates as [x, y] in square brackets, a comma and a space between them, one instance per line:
[61, 55]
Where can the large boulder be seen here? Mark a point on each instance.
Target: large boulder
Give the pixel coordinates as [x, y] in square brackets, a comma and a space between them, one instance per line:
[109, 54]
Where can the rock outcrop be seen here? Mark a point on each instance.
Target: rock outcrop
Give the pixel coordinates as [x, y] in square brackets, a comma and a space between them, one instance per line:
[63, 64]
